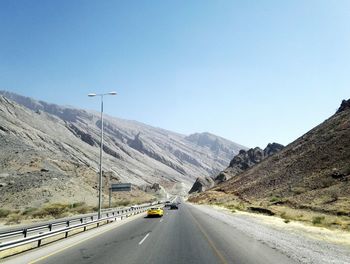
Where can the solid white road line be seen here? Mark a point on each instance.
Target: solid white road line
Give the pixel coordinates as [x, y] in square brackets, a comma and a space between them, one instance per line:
[143, 239]
[161, 220]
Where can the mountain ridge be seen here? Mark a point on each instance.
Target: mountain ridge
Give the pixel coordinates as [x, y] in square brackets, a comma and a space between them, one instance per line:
[64, 143]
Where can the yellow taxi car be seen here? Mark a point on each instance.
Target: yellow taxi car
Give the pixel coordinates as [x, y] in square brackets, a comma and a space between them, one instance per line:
[155, 211]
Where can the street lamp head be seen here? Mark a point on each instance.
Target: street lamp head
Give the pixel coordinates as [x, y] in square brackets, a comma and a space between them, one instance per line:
[91, 94]
[112, 93]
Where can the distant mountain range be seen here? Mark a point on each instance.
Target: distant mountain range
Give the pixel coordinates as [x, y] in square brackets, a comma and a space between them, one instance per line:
[311, 173]
[49, 153]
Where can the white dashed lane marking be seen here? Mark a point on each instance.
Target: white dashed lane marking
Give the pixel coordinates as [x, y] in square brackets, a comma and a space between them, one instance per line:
[143, 239]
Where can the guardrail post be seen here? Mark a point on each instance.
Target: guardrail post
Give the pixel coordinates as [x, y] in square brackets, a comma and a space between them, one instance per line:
[81, 220]
[50, 227]
[67, 231]
[25, 232]
[39, 242]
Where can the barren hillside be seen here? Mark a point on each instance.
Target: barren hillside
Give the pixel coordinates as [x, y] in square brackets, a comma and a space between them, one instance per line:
[50, 153]
[311, 173]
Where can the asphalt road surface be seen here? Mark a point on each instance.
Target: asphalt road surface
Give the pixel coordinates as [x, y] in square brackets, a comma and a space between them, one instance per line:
[186, 236]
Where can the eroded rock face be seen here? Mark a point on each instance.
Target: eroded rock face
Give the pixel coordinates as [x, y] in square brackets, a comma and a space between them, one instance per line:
[79, 133]
[202, 184]
[136, 143]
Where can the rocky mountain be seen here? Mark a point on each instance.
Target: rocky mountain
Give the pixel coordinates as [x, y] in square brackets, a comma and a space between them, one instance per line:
[246, 159]
[241, 162]
[312, 173]
[50, 153]
[202, 184]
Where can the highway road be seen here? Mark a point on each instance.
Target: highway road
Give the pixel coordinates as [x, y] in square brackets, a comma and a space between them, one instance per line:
[187, 235]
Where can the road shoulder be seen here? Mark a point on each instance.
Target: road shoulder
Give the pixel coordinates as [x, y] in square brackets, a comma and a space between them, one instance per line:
[293, 242]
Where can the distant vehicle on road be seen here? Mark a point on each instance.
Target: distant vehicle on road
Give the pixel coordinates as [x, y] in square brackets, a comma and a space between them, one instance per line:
[174, 206]
[167, 204]
[155, 211]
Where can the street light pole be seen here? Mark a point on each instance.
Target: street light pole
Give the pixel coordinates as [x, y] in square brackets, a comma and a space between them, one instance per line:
[101, 152]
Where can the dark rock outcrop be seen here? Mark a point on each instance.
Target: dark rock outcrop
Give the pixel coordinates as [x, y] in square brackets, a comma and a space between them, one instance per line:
[155, 187]
[247, 159]
[223, 176]
[272, 148]
[244, 160]
[202, 184]
[345, 104]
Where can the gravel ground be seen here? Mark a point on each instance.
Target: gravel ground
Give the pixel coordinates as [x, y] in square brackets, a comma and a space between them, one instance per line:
[297, 244]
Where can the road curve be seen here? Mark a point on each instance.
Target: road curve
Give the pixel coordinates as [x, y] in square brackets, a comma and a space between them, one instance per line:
[186, 236]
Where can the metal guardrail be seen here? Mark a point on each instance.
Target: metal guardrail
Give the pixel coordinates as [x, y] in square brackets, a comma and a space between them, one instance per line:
[70, 225]
[51, 224]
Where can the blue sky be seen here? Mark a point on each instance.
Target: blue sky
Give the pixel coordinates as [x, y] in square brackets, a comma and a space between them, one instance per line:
[251, 71]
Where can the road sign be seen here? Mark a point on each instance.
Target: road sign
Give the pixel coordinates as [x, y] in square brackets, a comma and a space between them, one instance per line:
[121, 187]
